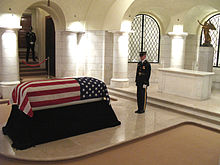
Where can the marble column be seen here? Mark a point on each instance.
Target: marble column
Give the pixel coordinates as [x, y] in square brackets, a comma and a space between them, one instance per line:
[205, 60]
[177, 49]
[67, 55]
[9, 61]
[120, 60]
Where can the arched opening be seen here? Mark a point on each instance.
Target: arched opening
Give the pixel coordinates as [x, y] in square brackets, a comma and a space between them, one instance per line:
[28, 53]
[145, 37]
[50, 46]
[215, 38]
[45, 20]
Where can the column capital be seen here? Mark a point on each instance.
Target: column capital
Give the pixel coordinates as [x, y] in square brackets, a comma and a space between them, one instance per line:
[72, 32]
[9, 82]
[120, 32]
[177, 35]
[9, 29]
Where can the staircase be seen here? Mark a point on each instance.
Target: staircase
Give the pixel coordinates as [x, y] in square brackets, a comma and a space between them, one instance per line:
[29, 71]
[169, 105]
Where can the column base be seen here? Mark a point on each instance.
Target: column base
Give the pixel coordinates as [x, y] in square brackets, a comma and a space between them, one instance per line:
[6, 89]
[119, 83]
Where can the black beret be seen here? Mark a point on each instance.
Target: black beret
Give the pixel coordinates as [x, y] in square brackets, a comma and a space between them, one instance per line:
[142, 53]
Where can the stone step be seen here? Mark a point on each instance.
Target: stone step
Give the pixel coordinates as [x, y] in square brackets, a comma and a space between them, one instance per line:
[33, 73]
[23, 66]
[212, 117]
[23, 58]
[30, 69]
[168, 105]
[32, 63]
[23, 54]
[4, 101]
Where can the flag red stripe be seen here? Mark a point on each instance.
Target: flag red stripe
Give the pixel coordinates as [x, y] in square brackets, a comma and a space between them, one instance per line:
[54, 102]
[19, 90]
[14, 96]
[24, 103]
[30, 113]
[20, 94]
[49, 83]
[53, 91]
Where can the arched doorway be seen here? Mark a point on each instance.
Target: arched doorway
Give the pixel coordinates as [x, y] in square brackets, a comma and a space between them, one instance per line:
[50, 45]
[44, 29]
[45, 20]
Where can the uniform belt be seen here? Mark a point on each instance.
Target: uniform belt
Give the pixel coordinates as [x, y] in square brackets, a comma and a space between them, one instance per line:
[141, 74]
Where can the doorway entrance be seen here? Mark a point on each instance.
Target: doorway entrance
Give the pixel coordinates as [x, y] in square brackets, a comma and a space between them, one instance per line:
[50, 45]
[45, 47]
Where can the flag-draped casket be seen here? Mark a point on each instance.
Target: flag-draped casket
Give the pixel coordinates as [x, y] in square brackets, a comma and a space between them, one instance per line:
[47, 110]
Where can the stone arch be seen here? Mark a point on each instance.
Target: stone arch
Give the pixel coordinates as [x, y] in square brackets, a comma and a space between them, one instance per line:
[55, 12]
[159, 14]
[57, 15]
[129, 9]
[201, 12]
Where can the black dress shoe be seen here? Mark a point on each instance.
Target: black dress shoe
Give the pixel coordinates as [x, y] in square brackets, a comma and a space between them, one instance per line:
[138, 111]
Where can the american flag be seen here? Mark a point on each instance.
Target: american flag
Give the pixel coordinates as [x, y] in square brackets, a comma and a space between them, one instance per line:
[92, 88]
[44, 94]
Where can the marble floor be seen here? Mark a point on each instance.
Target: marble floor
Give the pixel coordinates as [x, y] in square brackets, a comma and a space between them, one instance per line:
[133, 126]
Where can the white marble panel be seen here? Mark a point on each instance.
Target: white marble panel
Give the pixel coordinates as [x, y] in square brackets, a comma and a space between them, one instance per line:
[216, 78]
[186, 83]
[6, 90]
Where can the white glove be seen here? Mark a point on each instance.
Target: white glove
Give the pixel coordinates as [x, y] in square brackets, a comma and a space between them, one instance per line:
[144, 86]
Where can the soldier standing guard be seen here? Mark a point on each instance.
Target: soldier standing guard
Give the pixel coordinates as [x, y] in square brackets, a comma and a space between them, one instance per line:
[30, 40]
[142, 82]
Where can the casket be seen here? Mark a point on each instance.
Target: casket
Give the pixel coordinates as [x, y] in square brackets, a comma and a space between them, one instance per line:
[49, 110]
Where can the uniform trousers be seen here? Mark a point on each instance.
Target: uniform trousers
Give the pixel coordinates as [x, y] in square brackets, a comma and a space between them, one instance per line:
[30, 46]
[141, 97]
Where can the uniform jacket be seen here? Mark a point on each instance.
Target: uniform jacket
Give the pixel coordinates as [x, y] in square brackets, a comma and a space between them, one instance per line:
[30, 37]
[143, 73]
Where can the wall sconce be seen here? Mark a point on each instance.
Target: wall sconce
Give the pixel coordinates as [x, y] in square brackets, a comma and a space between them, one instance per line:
[9, 20]
[10, 11]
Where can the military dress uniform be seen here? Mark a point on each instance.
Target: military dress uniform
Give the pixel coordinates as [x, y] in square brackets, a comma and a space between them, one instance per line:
[142, 78]
[30, 40]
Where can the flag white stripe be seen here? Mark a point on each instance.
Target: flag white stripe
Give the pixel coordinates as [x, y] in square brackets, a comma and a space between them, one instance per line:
[27, 108]
[22, 96]
[54, 96]
[50, 87]
[24, 88]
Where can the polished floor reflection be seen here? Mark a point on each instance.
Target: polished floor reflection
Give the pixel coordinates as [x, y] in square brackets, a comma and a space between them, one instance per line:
[133, 126]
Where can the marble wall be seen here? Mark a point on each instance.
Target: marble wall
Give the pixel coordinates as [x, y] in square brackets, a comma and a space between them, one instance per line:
[191, 52]
[93, 56]
[165, 51]
[108, 58]
[84, 54]
[216, 78]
